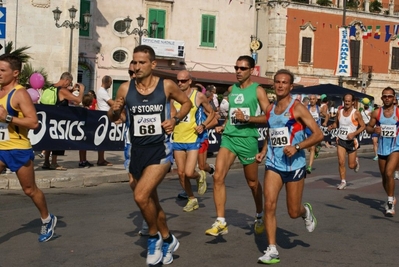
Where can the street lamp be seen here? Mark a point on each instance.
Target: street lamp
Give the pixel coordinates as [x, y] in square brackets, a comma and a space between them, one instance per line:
[72, 25]
[140, 21]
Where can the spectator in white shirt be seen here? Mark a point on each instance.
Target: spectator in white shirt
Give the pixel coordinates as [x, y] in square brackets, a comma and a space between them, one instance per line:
[224, 106]
[104, 102]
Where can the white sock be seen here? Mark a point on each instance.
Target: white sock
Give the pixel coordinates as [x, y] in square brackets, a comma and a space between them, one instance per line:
[272, 247]
[259, 215]
[390, 199]
[343, 181]
[221, 219]
[47, 220]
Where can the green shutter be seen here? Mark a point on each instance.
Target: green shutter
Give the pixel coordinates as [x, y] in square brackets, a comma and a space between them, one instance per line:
[160, 16]
[84, 8]
[208, 31]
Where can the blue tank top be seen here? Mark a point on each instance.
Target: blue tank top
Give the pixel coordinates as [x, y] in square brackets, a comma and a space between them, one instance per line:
[146, 113]
[200, 117]
[284, 130]
[388, 141]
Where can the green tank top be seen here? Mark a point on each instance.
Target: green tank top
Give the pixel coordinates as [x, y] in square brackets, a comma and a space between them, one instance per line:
[247, 101]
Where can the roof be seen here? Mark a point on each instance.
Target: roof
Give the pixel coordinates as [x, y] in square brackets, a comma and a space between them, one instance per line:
[217, 78]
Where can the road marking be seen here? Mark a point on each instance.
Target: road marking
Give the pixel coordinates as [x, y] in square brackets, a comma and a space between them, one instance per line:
[359, 183]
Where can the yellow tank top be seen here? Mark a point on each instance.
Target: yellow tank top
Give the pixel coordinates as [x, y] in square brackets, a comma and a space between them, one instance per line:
[185, 131]
[12, 136]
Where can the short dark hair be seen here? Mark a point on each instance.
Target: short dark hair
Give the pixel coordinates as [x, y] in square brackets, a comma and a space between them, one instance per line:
[249, 59]
[14, 61]
[284, 71]
[388, 88]
[145, 49]
[87, 100]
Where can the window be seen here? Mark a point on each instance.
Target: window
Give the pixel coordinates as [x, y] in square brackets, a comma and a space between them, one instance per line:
[120, 26]
[395, 58]
[119, 56]
[84, 8]
[354, 46]
[160, 16]
[208, 31]
[306, 54]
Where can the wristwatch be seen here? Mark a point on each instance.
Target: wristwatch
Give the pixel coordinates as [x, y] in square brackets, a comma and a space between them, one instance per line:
[246, 118]
[9, 118]
[297, 147]
[177, 120]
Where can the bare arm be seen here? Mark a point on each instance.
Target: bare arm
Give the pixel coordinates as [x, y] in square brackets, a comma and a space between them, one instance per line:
[116, 111]
[325, 114]
[202, 100]
[373, 120]
[66, 94]
[263, 102]
[22, 101]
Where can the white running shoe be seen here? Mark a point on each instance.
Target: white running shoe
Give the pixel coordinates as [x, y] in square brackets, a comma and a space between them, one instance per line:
[271, 256]
[168, 249]
[357, 165]
[341, 186]
[310, 219]
[396, 175]
[154, 253]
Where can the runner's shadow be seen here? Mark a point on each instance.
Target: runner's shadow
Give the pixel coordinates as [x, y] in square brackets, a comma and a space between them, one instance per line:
[331, 181]
[286, 239]
[372, 203]
[32, 227]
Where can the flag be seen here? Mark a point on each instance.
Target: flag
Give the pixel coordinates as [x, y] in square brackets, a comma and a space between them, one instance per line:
[352, 31]
[365, 36]
[377, 33]
[387, 33]
[369, 30]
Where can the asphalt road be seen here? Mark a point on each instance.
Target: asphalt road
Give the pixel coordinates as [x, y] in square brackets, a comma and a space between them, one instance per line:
[98, 226]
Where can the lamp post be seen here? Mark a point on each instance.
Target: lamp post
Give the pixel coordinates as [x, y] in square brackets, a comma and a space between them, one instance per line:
[139, 31]
[72, 25]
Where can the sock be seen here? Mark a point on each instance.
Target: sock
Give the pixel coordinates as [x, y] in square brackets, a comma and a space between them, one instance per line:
[156, 236]
[169, 239]
[259, 215]
[272, 247]
[390, 199]
[47, 220]
[343, 181]
[221, 219]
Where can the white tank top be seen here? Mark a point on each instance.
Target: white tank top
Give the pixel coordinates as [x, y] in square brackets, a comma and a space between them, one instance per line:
[347, 125]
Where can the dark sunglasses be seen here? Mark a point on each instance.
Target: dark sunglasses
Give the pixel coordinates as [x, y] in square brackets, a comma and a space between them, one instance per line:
[182, 81]
[241, 68]
[388, 96]
[131, 72]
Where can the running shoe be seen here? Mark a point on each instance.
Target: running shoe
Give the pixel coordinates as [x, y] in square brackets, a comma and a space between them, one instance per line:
[47, 231]
[144, 229]
[390, 209]
[182, 195]
[271, 256]
[375, 158]
[396, 175]
[212, 171]
[357, 165]
[40, 155]
[341, 186]
[168, 249]
[310, 219]
[192, 204]
[316, 153]
[201, 183]
[218, 228]
[154, 253]
[259, 226]
[309, 170]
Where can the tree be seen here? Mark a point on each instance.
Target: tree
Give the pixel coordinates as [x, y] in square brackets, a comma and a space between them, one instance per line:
[324, 2]
[375, 6]
[20, 52]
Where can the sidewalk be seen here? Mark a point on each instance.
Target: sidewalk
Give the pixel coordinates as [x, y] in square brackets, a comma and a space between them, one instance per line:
[84, 177]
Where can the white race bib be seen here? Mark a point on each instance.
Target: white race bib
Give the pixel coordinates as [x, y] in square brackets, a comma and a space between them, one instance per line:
[344, 130]
[232, 116]
[145, 125]
[388, 130]
[279, 137]
[4, 134]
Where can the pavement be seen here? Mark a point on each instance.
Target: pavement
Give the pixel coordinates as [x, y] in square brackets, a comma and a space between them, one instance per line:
[93, 176]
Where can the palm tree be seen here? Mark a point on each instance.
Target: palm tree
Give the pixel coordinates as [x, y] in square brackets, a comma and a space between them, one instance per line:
[20, 52]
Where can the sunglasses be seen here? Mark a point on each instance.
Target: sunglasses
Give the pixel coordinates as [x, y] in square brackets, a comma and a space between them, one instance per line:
[131, 72]
[388, 96]
[241, 68]
[182, 81]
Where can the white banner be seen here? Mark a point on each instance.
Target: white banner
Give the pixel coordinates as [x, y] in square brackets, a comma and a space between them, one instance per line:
[165, 48]
[344, 55]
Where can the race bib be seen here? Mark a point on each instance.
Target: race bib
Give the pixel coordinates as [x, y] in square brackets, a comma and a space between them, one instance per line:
[388, 130]
[4, 134]
[279, 137]
[344, 130]
[232, 116]
[145, 125]
[186, 119]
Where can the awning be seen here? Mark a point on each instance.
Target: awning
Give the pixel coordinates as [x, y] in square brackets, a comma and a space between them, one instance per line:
[224, 79]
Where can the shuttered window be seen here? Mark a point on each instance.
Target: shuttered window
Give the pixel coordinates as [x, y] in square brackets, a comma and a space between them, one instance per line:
[208, 31]
[84, 8]
[354, 46]
[160, 16]
[306, 53]
[395, 58]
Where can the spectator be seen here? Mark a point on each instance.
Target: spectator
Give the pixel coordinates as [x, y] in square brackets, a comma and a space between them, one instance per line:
[224, 106]
[87, 102]
[104, 101]
[93, 105]
[212, 89]
[64, 95]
